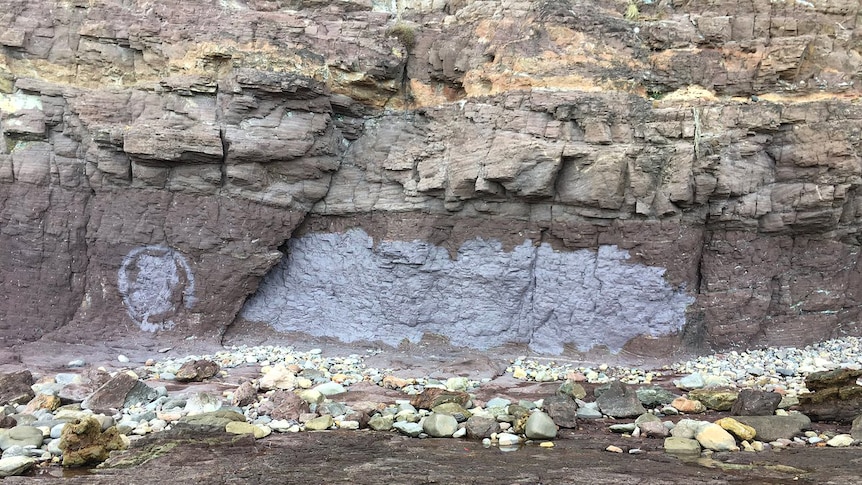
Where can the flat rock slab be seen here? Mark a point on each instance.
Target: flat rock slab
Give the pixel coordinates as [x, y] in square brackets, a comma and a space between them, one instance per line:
[367, 458]
[771, 428]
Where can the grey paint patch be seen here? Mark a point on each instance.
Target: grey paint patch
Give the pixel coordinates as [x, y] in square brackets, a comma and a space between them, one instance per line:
[341, 285]
[155, 281]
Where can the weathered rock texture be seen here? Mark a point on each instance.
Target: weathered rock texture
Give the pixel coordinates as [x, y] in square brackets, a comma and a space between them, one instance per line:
[154, 158]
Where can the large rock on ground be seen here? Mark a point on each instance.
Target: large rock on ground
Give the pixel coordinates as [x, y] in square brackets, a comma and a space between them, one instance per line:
[15, 465]
[752, 402]
[83, 442]
[563, 410]
[15, 387]
[620, 401]
[479, 427]
[20, 436]
[197, 370]
[121, 390]
[433, 397]
[771, 428]
[836, 395]
[439, 425]
[283, 405]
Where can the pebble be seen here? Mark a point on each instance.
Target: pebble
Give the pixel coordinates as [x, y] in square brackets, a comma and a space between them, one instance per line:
[540, 426]
[840, 441]
[409, 429]
[320, 423]
[123, 359]
[508, 439]
[15, 465]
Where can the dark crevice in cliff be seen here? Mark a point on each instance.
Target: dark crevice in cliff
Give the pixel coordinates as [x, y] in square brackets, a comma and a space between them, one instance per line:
[223, 164]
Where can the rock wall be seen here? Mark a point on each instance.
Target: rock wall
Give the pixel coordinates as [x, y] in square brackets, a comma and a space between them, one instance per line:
[461, 166]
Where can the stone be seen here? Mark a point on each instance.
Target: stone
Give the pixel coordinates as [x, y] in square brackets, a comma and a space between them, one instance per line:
[457, 383]
[614, 449]
[716, 399]
[572, 389]
[772, 428]
[653, 429]
[837, 378]
[122, 390]
[453, 409]
[734, 427]
[620, 401]
[836, 395]
[840, 441]
[202, 402]
[393, 382]
[856, 428]
[320, 423]
[197, 370]
[241, 427]
[406, 428]
[681, 446]
[563, 410]
[333, 408]
[623, 427]
[84, 443]
[217, 420]
[330, 389]
[42, 401]
[540, 426]
[713, 437]
[646, 418]
[283, 405]
[20, 436]
[752, 402]
[652, 397]
[691, 381]
[686, 428]
[588, 410]
[88, 382]
[433, 397]
[15, 387]
[381, 422]
[15, 465]
[508, 439]
[278, 377]
[480, 427]
[245, 394]
[688, 406]
[311, 396]
[439, 425]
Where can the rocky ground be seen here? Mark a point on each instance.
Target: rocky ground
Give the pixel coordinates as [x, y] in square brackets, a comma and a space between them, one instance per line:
[290, 415]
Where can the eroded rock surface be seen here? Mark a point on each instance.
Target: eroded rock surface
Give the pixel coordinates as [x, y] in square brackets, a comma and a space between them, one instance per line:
[154, 169]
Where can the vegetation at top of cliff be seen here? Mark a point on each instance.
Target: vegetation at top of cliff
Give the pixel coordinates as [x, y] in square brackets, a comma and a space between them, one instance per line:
[406, 34]
[632, 12]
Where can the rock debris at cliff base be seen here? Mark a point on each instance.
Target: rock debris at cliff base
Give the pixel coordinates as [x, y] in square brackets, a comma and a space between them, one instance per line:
[258, 390]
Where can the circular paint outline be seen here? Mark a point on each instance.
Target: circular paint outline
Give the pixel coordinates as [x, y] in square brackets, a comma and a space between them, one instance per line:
[123, 285]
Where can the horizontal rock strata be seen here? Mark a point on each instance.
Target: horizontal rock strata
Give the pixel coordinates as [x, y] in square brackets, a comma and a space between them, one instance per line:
[153, 169]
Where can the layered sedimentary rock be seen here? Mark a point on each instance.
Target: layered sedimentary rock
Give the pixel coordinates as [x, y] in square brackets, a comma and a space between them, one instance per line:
[562, 174]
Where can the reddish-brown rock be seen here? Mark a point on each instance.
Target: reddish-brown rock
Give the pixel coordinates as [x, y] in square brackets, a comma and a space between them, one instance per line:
[197, 370]
[15, 387]
[151, 166]
[283, 405]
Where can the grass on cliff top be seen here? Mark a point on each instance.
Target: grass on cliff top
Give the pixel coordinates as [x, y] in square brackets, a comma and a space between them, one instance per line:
[404, 33]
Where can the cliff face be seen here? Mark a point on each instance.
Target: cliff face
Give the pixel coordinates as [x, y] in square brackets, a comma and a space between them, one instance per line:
[553, 173]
